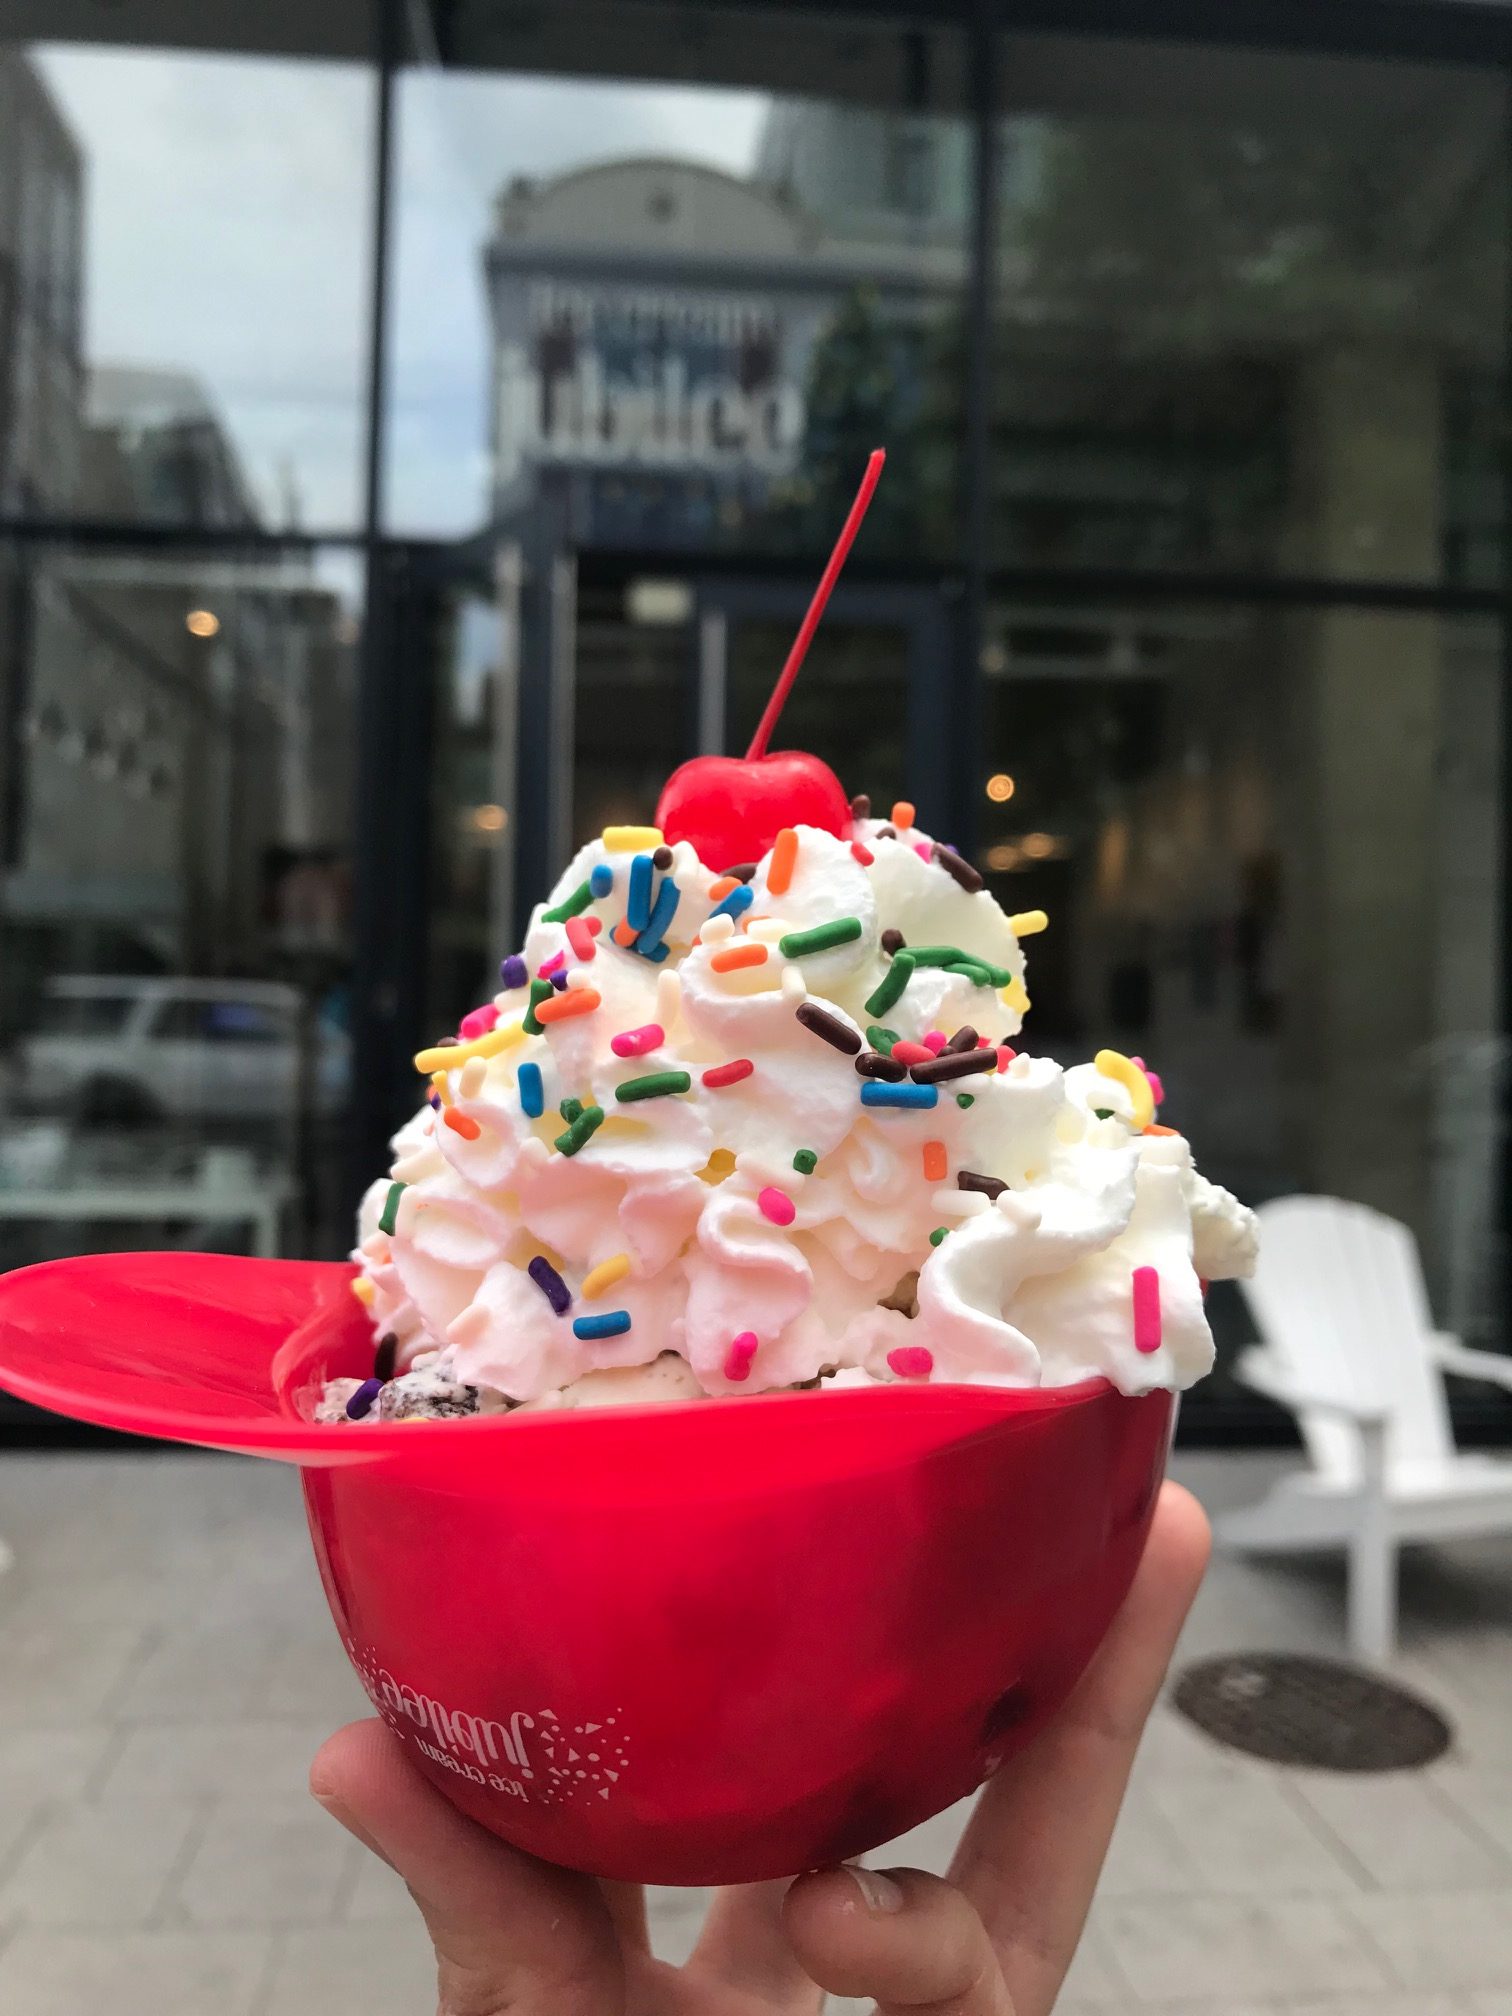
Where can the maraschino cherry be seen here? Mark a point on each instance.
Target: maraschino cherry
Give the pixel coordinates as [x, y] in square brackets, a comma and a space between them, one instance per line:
[732, 808]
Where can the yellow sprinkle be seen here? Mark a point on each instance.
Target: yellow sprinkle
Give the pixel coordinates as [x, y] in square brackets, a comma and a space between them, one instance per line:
[446, 1057]
[604, 1276]
[1013, 996]
[364, 1290]
[1124, 1071]
[441, 1086]
[719, 1165]
[1027, 922]
[631, 839]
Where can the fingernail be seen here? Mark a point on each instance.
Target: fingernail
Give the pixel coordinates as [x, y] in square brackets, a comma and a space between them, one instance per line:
[879, 1892]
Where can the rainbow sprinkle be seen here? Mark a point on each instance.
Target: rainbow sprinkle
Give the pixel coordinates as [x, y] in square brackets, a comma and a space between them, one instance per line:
[630, 839]
[550, 1283]
[532, 1092]
[601, 881]
[719, 1075]
[737, 1364]
[570, 906]
[613, 1323]
[388, 1219]
[1145, 1282]
[636, 1042]
[875, 1093]
[603, 1277]
[776, 1205]
[911, 1361]
[638, 902]
[654, 1085]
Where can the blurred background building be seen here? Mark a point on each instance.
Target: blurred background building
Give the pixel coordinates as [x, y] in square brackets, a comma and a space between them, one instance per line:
[420, 428]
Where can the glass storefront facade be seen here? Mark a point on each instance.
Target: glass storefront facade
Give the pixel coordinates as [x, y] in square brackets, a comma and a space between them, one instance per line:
[414, 443]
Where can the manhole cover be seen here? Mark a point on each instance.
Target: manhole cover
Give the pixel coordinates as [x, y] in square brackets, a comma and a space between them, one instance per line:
[1314, 1712]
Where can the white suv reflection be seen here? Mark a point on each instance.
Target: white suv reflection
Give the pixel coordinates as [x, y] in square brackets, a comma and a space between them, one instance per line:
[118, 1049]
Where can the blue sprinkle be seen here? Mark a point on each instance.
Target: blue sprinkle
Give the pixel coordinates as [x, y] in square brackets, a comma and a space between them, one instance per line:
[559, 980]
[361, 1402]
[638, 902]
[601, 880]
[735, 904]
[513, 971]
[655, 953]
[875, 1093]
[550, 1283]
[532, 1093]
[613, 1323]
[667, 899]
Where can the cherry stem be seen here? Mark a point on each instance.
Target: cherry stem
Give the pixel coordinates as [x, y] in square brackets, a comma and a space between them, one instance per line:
[822, 594]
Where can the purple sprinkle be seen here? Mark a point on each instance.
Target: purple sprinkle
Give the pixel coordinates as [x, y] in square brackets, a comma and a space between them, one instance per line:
[559, 981]
[551, 1284]
[361, 1402]
[513, 971]
[434, 1099]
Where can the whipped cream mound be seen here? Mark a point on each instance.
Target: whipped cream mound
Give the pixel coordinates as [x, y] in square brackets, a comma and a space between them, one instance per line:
[721, 1135]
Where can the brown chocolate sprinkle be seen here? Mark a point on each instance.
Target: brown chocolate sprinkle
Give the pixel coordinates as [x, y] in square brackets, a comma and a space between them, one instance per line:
[861, 806]
[386, 1356]
[446, 1042]
[887, 832]
[954, 1064]
[662, 859]
[959, 869]
[830, 1029]
[965, 1038]
[904, 1295]
[893, 941]
[874, 1064]
[990, 1186]
[743, 871]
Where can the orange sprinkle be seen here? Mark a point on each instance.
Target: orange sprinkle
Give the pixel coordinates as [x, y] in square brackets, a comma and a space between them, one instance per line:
[784, 860]
[902, 815]
[562, 1007]
[720, 889]
[1153, 1129]
[460, 1124]
[735, 956]
[622, 935]
[934, 1161]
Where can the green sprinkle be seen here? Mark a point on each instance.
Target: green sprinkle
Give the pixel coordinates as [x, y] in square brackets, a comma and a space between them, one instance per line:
[799, 944]
[940, 1232]
[965, 1099]
[654, 1085]
[978, 974]
[582, 1130]
[1102, 1112]
[881, 1039]
[954, 959]
[894, 980]
[389, 1217]
[570, 906]
[540, 990]
[805, 1161]
[570, 1110]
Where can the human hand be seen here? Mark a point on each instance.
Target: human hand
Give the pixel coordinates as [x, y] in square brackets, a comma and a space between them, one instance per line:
[516, 1937]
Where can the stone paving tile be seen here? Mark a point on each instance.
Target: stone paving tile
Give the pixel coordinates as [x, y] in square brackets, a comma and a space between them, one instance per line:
[1445, 1940]
[1217, 1947]
[46, 1973]
[246, 1760]
[282, 1864]
[97, 1866]
[377, 1970]
[1402, 1831]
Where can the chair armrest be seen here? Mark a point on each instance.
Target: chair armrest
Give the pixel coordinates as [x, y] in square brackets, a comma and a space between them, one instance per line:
[1452, 1356]
[1256, 1368]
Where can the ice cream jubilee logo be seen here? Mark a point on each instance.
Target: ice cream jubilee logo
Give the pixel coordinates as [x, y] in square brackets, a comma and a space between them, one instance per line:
[536, 1757]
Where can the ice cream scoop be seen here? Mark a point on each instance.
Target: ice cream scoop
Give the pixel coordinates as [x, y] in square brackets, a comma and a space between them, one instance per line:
[679, 1644]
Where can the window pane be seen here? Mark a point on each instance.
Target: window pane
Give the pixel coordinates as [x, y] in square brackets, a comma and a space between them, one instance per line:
[175, 820]
[666, 316]
[182, 340]
[1251, 312]
[1268, 845]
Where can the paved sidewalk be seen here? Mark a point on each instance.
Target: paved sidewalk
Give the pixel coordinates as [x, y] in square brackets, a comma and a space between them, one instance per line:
[167, 1668]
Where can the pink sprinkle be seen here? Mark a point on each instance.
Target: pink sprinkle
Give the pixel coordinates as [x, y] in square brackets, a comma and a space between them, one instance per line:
[737, 1364]
[1157, 1090]
[934, 1041]
[984, 1042]
[921, 848]
[911, 1361]
[911, 1053]
[557, 959]
[579, 937]
[478, 1022]
[1146, 1282]
[1006, 1055]
[863, 854]
[776, 1205]
[594, 925]
[635, 1042]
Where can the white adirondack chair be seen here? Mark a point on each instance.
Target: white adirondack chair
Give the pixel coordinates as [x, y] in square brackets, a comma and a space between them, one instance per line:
[1349, 1346]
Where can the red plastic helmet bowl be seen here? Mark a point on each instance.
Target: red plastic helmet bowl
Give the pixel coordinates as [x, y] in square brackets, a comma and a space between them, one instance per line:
[678, 1644]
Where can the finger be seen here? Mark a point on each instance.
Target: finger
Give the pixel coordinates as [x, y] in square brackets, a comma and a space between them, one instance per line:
[910, 1940]
[509, 1932]
[745, 1943]
[1030, 1858]
[627, 1909]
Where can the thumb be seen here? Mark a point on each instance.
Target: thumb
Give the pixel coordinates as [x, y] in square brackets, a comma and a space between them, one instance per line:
[911, 1941]
[510, 1932]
